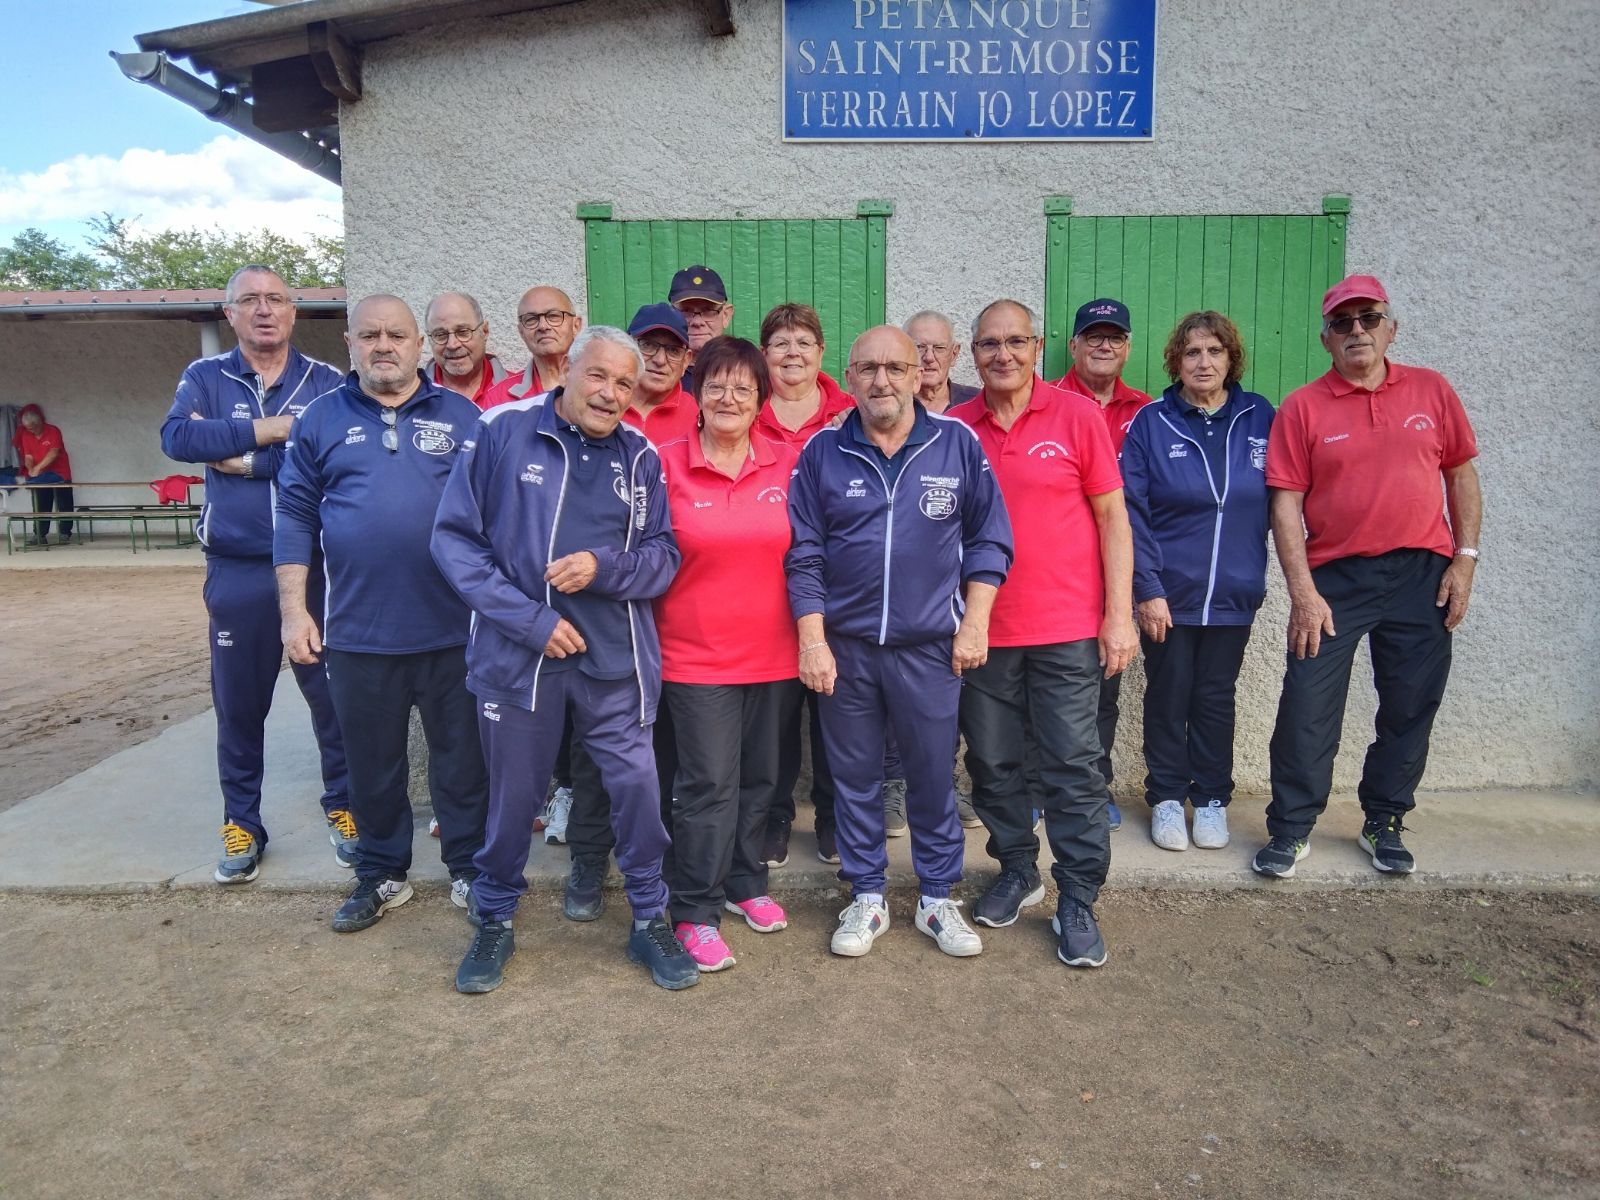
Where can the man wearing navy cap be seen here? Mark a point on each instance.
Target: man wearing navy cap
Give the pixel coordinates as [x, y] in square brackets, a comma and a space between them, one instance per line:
[698, 294]
[1102, 335]
[661, 409]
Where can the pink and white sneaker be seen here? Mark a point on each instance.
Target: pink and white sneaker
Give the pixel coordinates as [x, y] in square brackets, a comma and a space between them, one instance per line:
[763, 914]
[705, 946]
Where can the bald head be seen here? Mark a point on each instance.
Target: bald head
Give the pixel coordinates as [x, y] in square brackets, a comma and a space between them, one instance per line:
[547, 321]
[883, 377]
[385, 345]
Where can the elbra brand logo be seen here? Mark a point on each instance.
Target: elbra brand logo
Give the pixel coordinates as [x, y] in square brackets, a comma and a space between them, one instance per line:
[353, 435]
[534, 473]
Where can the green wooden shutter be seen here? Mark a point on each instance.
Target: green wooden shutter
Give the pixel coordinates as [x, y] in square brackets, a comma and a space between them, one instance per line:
[1267, 273]
[837, 267]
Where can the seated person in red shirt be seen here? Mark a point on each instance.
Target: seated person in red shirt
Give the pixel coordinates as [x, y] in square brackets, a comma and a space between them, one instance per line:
[42, 458]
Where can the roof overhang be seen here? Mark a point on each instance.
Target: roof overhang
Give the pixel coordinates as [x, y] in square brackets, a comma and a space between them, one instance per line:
[176, 305]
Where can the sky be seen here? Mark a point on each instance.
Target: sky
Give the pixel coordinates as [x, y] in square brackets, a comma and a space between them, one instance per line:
[78, 138]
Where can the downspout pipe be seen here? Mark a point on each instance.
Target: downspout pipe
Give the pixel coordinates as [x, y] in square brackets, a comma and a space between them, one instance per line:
[228, 109]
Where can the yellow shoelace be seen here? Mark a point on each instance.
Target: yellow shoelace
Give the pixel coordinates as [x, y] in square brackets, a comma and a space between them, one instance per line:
[341, 820]
[236, 840]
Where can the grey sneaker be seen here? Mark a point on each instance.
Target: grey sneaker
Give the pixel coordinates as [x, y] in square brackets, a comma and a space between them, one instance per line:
[1081, 944]
[556, 813]
[1167, 828]
[1211, 826]
[965, 813]
[369, 900]
[1380, 837]
[342, 836]
[1279, 856]
[241, 856]
[894, 807]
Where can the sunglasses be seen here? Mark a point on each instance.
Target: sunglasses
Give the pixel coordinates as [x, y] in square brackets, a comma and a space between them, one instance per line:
[391, 436]
[1369, 322]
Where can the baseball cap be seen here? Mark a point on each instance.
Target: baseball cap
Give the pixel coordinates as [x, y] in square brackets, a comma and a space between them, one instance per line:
[659, 316]
[1103, 311]
[699, 282]
[1356, 287]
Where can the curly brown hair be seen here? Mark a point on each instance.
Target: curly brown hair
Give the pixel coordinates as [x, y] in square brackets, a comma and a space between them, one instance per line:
[1218, 326]
[791, 316]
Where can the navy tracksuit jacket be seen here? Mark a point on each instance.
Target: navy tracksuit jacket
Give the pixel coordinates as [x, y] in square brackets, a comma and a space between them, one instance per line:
[531, 488]
[211, 419]
[881, 548]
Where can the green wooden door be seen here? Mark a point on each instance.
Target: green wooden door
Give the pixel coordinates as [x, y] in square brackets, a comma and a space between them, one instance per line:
[837, 267]
[1267, 273]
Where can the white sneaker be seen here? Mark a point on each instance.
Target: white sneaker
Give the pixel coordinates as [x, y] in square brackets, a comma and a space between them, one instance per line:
[556, 813]
[1167, 829]
[859, 927]
[944, 923]
[461, 892]
[1211, 826]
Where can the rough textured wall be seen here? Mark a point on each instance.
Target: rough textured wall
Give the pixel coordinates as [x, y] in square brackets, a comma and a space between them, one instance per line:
[1463, 131]
[108, 384]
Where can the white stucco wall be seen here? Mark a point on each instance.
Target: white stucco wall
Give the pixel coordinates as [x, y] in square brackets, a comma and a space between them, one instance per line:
[1463, 131]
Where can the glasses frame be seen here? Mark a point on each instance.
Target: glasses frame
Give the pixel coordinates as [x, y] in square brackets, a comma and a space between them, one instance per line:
[391, 430]
[896, 371]
[1115, 340]
[989, 347]
[671, 353]
[462, 334]
[1368, 321]
[553, 317]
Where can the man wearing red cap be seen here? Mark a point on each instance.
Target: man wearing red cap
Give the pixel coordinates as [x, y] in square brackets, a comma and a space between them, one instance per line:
[1354, 462]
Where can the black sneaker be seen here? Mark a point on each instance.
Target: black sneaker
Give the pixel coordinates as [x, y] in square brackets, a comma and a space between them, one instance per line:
[1081, 944]
[828, 844]
[1381, 837]
[1007, 897]
[775, 847]
[484, 966]
[657, 947]
[1279, 856]
[585, 900]
[369, 900]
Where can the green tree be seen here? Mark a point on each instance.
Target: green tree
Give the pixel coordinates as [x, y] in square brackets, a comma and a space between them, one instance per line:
[197, 258]
[35, 262]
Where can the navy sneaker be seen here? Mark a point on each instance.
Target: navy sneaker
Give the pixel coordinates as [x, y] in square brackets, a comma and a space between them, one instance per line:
[1113, 815]
[241, 856]
[484, 966]
[585, 900]
[658, 948]
[1007, 896]
[1380, 836]
[1279, 856]
[369, 900]
[828, 844]
[1081, 944]
[775, 846]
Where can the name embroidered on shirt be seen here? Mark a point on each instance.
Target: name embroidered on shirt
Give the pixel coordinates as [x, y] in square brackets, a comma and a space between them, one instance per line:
[948, 481]
[1338, 437]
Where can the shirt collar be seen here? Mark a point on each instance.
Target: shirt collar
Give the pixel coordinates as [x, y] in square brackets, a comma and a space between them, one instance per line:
[1119, 390]
[552, 422]
[922, 430]
[1338, 385]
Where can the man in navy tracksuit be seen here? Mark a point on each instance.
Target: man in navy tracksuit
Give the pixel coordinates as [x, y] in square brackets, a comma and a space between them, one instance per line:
[554, 528]
[363, 472]
[892, 513]
[232, 413]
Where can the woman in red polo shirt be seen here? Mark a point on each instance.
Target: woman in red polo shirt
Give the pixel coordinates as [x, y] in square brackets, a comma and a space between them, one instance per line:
[804, 399]
[729, 657]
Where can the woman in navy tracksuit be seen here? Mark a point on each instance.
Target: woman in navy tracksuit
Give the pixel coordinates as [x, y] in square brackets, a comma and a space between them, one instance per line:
[1194, 475]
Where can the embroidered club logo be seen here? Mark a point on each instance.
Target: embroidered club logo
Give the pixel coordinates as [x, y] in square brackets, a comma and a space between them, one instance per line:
[772, 495]
[1258, 453]
[433, 441]
[1418, 422]
[937, 503]
[619, 486]
[1048, 450]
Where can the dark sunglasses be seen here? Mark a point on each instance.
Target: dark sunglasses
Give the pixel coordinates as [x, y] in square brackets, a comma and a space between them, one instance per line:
[391, 436]
[1369, 322]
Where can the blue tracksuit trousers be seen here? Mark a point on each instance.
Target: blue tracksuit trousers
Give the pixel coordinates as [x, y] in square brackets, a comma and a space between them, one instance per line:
[912, 691]
[241, 596]
[521, 747]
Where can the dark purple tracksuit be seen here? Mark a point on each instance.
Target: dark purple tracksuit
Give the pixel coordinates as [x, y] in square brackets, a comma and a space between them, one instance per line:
[529, 489]
[211, 419]
[881, 548]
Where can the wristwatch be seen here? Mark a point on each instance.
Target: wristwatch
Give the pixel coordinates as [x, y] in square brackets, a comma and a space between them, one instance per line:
[1467, 552]
[248, 461]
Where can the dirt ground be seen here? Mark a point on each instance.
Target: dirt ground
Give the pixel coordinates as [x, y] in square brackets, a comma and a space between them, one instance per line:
[97, 659]
[1412, 1044]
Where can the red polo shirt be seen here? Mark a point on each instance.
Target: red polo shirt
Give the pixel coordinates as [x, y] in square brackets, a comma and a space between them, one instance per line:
[1369, 462]
[675, 417]
[36, 446]
[1053, 458]
[725, 619]
[1125, 401]
[511, 388]
[493, 375]
[835, 400]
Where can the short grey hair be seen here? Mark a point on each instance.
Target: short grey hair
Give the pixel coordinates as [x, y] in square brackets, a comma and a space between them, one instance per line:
[605, 333]
[1033, 317]
[472, 303]
[250, 269]
[928, 314]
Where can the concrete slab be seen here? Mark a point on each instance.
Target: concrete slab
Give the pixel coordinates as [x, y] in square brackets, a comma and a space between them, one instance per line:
[147, 818]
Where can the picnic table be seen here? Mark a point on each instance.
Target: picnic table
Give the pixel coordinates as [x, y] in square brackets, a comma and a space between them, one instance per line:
[137, 516]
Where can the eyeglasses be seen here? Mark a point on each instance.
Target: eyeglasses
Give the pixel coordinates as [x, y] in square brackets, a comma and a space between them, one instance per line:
[704, 314]
[800, 345]
[932, 348]
[741, 392]
[1097, 340]
[462, 333]
[1369, 321]
[269, 300]
[989, 347]
[897, 371]
[391, 436]
[671, 352]
[554, 316]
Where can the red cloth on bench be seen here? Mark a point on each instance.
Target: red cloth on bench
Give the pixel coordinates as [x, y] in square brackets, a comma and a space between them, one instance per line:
[174, 489]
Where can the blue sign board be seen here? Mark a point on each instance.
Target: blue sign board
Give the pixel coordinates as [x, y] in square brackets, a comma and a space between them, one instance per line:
[968, 70]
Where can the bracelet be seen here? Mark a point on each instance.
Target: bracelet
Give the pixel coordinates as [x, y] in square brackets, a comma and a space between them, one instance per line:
[813, 646]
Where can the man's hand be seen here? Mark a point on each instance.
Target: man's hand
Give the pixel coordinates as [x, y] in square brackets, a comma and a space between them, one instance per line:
[572, 573]
[565, 640]
[1155, 618]
[1119, 642]
[272, 429]
[229, 466]
[1454, 590]
[818, 671]
[1309, 619]
[301, 637]
[970, 647]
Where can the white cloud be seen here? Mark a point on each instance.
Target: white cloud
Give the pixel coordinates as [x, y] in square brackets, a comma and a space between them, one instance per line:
[231, 183]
